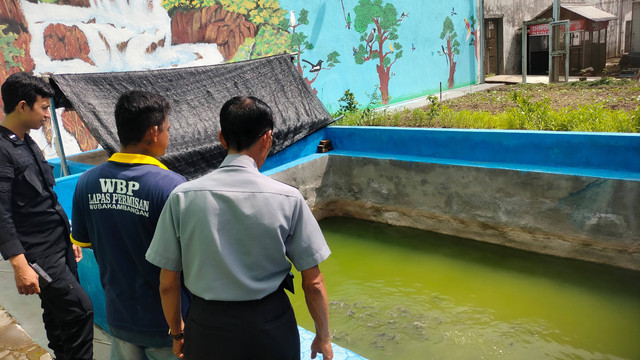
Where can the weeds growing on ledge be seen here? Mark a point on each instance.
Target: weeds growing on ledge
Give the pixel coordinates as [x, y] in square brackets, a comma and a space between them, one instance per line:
[606, 105]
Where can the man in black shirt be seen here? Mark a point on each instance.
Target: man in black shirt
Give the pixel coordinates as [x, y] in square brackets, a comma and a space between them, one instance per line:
[34, 229]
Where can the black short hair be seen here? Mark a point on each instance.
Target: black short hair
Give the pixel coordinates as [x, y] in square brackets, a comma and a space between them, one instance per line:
[243, 119]
[137, 111]
[23, 86]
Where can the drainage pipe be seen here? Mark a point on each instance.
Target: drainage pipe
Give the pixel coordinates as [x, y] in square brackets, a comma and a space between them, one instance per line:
[58, 141]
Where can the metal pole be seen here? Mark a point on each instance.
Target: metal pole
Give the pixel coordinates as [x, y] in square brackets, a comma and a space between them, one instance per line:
[58, 141]
[556, 10]
[525, 52]
[554, 61]
[620, 26]
[550, 47]
[481, 39]
[64, 167]
[567, 37]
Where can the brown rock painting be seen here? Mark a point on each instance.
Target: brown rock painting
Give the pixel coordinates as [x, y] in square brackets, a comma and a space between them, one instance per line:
[62, 42]
[122, 46]
[78, 3]
[154, 46]
[214, 25]
[74, 126]
[11, 12]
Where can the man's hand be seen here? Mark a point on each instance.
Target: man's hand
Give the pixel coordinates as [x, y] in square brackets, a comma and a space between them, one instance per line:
[77, 251]
[26, 278]
[315, 294]
[170, 297]
[177, 348]
[323, 347]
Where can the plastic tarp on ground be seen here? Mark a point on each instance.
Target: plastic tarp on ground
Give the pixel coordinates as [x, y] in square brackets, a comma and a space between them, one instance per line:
[196, 95]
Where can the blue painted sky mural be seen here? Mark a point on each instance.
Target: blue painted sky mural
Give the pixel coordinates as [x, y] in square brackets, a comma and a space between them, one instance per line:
[419, 69]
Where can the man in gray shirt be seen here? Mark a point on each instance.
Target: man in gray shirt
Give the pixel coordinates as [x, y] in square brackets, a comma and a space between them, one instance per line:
[232, 233]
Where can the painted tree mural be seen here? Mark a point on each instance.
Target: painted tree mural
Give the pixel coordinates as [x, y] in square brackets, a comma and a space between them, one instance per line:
[376, 43]
[229, 24]
[472, 34]
[9, 51]
[273, 35]
[15, 41]
[452, 47]
[299, 44]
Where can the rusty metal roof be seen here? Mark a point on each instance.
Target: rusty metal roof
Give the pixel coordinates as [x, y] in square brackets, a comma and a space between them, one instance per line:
[586, 11]
[590, 12]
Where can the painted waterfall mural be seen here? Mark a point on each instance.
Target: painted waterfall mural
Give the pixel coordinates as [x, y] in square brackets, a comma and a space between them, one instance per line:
[383, 51]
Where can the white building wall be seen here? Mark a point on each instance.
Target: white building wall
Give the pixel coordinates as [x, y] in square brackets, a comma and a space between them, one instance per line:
[513, 13]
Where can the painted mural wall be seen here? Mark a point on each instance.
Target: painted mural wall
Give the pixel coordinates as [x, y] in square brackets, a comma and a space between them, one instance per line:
[383, 51]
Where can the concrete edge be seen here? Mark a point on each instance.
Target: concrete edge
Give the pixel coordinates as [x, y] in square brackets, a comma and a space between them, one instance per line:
[16, 342]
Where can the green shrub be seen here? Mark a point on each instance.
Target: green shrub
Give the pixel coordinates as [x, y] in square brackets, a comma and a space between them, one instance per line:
[347, 103]
[608, 81]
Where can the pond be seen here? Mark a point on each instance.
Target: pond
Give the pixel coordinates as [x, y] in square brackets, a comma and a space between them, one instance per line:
[401, 293]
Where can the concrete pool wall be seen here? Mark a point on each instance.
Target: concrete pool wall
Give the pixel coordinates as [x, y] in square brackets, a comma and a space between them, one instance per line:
[574, 195]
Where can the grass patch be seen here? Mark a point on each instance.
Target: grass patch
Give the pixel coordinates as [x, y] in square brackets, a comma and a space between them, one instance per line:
[606, 105]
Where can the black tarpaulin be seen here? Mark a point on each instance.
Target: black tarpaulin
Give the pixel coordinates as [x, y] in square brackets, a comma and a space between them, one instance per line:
[196, 95]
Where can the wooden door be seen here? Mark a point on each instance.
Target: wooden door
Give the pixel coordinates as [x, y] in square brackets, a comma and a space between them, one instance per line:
[491, 60]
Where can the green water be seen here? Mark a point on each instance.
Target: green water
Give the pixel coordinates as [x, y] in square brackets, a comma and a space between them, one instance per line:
[399, 293]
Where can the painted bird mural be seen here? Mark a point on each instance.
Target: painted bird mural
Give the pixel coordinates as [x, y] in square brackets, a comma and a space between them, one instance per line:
[391, 47]
[314, 67]
[466, 24]
[348, 21]
[445, 54]
[292, 18]
[371, 35]
[453, 11]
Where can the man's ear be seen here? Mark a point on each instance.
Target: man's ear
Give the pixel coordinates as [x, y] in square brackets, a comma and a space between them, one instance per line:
[22, 105]
[151, 136]
[266, 139]
[224, 143]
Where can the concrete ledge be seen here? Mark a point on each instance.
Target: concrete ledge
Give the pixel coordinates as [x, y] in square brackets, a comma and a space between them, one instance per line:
[578, 217]
[564, 151]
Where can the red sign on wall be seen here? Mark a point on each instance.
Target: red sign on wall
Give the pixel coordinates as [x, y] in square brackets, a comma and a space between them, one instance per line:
[543, 29]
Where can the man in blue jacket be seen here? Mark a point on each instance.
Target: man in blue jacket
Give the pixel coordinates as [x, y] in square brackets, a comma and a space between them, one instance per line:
[115, 211]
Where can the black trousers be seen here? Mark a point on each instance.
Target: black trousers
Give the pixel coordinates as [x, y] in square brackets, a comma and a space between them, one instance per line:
[242, 330]
[68, 312]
